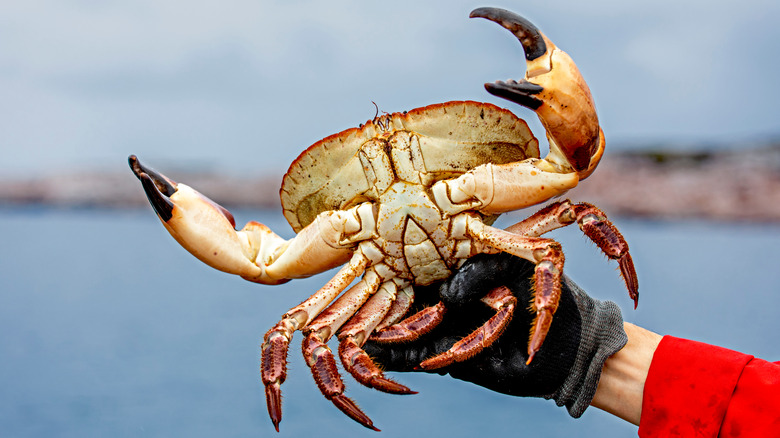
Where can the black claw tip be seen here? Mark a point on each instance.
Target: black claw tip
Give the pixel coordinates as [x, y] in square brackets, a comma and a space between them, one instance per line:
[518, 92]
[161, 203]
[164, 184]
[529, 35]
[157, 186]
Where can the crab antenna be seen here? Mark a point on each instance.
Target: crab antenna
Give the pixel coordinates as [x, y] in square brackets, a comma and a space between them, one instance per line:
[528, 34]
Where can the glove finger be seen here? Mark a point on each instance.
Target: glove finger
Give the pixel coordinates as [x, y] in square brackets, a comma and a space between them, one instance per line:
[503, 372]
[408, 356]
[482, 273]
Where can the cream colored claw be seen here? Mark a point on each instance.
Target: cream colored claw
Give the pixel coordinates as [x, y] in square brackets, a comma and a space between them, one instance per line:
[207, 231]
[493, 189]
[554, 88]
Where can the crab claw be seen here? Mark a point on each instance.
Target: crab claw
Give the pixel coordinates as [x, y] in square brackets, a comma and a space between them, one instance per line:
[157, 186]
[203, 227]
[554, 88]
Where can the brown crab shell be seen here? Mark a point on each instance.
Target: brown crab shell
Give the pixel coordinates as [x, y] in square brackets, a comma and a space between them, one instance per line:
[454, 138]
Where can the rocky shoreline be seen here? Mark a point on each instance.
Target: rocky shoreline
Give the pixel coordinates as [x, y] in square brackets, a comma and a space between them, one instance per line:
[725, 185]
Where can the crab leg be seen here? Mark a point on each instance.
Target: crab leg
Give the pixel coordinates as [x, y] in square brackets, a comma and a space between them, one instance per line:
[355, 333]
[276, 342]
[320, 358]
[547, 255]
[500, 299]
[594, 224]
[403, 302]
[412, 327]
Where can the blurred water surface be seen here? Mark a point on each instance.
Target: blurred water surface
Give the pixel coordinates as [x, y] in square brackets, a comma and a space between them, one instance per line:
[110, 329]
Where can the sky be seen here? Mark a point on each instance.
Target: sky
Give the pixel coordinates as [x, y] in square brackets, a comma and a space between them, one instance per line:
[246, 85]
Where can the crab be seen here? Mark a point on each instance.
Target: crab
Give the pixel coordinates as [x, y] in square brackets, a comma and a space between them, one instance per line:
[402, 201]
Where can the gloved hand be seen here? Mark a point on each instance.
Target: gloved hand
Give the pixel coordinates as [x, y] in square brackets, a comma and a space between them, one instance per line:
[584, 333]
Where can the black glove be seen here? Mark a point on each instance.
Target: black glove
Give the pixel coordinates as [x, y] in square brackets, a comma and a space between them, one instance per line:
[584, 333]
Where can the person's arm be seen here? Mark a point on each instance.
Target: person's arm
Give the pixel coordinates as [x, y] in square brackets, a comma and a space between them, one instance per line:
[689, 387]
[697, 389]
[623, 376]
[665, 385]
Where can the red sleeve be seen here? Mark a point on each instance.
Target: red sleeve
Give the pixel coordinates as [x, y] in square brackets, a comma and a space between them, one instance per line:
[696, 389]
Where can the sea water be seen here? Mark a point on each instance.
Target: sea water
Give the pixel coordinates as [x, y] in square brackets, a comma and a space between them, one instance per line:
[109, 329]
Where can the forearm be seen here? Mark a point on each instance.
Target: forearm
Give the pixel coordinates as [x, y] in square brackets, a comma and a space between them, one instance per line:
[623, 376]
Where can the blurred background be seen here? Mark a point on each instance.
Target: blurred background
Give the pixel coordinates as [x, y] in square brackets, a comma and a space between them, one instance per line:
[110, 329]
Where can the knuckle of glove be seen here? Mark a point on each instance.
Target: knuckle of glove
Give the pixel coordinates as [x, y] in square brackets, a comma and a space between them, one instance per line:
[484, 272]
[474, 279]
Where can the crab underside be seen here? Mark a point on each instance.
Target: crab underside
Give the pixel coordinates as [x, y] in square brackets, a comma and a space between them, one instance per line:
[401, 202]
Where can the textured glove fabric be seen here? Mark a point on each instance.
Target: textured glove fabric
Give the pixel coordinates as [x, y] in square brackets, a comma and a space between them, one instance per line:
[601, 336]
[584, 333]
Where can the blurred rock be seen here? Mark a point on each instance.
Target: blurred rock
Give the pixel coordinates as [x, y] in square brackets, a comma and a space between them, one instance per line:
[724, 185]
[85, 189]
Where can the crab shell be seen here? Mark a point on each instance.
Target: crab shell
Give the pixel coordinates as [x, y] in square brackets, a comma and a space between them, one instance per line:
[455, 137]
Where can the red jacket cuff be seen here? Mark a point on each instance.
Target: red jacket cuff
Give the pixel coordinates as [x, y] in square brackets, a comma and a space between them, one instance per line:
[689, 388]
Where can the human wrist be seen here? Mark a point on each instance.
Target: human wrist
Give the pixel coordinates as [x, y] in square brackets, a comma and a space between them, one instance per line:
[623, 376]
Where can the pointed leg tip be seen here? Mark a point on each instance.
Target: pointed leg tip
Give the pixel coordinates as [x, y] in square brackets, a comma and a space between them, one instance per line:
[273, 399]
[628, 272]
[438, 361]
[363, 368]
[347, 406]
[428, 364]
[386, 385]
[633, 293]
[530, 358]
